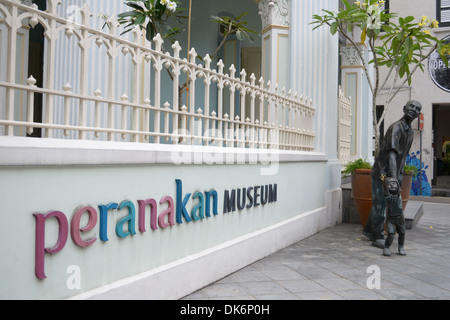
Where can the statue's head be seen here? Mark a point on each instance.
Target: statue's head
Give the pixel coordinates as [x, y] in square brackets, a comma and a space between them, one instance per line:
[393, 186]
[412, 109]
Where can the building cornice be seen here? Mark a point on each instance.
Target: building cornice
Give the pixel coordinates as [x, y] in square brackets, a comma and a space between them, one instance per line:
[273, 12]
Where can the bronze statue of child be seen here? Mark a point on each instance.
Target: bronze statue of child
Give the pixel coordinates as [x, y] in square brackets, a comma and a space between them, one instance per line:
[395, 220]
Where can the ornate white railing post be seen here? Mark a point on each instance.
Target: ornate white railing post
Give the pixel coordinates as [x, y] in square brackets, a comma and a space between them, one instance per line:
[253, 98]
[146, 119]
[68, 89]
[344, 132]
[243, 94]
[192, 76]
[157, 66]
[176, 82]
[14, 24]
[124, 108]
[220, 87]
[98, 94]
[166, 120]
[84, 44]
[207, 83]
[112, 54]
[30, 112]
[51, 35]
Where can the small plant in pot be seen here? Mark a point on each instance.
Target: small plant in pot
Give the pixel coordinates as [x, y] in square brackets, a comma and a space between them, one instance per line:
[360, 163]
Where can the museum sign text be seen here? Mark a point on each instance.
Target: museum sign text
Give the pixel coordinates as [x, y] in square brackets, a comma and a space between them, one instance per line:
[205, 205]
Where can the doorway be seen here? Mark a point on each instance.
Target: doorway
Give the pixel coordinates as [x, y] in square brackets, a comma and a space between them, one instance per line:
[441, 145]
[251, 62]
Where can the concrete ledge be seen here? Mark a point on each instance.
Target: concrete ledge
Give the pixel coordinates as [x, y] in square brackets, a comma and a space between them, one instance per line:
[187, 275]
[19, 151]
[413, 213]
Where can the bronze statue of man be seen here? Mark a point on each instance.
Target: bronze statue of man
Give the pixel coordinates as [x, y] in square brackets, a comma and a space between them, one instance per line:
[388, 166]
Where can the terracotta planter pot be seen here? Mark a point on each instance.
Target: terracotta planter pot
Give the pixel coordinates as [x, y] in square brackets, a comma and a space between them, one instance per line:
[406, 188]
[362, 193]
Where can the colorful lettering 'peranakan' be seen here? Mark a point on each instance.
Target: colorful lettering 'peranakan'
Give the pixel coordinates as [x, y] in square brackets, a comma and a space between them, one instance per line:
[205, 205]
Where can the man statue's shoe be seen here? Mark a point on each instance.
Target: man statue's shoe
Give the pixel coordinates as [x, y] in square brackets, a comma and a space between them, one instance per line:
[401, 251]
[386, 252]
[379, 243]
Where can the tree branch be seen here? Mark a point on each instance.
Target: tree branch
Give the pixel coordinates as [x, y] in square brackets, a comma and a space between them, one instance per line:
[391, 97]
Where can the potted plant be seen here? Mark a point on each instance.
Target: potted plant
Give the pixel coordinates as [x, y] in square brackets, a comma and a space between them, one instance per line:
[361, 187]
[361, 182]
[409, 172]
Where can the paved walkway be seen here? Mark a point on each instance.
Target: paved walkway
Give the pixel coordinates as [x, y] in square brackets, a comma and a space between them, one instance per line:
[333, 264]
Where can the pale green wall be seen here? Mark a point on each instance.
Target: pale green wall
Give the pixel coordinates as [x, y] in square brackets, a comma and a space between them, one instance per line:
[28, 190]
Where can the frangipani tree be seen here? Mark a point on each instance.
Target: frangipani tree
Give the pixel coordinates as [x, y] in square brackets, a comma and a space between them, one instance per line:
[153, 16]
[400, 44]
[157, 16]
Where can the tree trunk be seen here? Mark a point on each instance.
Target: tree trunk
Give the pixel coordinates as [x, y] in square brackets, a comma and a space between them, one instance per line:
[376, 128]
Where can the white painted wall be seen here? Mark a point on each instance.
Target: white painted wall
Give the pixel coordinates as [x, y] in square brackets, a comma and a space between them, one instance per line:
[45, 175]
[55, 184]
[314, 71]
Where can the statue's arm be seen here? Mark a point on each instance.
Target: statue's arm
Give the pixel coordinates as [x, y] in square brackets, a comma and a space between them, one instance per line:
[392, 164]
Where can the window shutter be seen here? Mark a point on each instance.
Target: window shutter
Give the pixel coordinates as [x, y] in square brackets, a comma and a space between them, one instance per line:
[444, 12]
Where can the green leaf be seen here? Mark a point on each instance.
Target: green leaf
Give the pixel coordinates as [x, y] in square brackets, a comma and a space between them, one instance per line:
[140, 19]
[408, 44]
[401, 72]
[333, 28]
[242, 15]
[347, 5]
[126, 14]
[135, 6]
[445, 60]
[409, 19]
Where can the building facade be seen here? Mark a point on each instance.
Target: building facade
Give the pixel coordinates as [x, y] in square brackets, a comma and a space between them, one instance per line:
[429, 86]
[428, 150]
[115, 184]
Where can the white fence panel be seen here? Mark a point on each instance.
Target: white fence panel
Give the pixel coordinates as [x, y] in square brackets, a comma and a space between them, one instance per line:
[120, 111]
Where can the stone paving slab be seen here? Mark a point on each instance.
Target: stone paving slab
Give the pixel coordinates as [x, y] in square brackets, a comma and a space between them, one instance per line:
[333, 265]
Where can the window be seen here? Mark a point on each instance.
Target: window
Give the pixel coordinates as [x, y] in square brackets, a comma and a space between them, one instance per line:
[385, 6]
[443, 13]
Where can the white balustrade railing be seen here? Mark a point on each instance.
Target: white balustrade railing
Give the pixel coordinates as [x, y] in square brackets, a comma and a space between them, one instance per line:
[345, 134]
[274, 119]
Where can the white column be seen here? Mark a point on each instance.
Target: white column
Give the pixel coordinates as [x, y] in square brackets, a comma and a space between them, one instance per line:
[275, 44]
[355, 85]
[314, 68]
